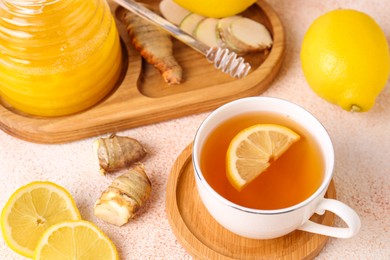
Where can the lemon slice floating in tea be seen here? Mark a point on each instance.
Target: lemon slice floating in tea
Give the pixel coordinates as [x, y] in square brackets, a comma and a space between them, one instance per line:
[253, 149]
[75, 240]
[31, 210]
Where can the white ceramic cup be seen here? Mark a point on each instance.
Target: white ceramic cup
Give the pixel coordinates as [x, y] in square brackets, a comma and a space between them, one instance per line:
[266, 224]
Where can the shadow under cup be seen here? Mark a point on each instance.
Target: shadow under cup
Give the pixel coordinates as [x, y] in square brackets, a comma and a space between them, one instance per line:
[265, 224]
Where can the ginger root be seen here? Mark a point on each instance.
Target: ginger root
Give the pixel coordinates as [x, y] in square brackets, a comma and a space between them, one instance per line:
[123, 198]
[118, 152]
[154, 45]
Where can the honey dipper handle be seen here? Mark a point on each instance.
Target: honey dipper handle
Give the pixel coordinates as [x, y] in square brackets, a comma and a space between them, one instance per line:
[156, 19]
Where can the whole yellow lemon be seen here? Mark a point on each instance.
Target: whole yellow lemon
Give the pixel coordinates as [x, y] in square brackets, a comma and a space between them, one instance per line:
[215, 8]
[345, 59]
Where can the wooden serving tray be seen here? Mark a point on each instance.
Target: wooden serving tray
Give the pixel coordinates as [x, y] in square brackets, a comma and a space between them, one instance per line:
[142, 97]
[204, 238]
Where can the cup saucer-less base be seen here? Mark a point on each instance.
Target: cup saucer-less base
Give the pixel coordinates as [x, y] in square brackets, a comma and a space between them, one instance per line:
[204, 238]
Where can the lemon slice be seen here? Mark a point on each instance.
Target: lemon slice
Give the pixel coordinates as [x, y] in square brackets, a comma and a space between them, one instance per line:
[251, 151]
[31, 210]
[75, 240]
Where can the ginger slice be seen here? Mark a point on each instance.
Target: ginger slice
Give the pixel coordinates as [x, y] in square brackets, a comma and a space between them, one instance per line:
[124, 197]
[118, 152]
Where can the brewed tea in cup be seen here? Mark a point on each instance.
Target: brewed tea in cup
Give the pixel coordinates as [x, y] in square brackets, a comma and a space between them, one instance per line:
[282, 198]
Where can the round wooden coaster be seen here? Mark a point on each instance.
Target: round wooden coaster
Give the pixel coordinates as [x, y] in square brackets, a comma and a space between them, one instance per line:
[204, 238]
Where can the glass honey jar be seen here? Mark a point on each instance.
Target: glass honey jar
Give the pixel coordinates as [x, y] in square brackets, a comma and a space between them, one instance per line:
[57, 57]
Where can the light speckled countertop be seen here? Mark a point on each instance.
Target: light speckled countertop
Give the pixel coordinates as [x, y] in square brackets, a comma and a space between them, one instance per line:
[361, 142]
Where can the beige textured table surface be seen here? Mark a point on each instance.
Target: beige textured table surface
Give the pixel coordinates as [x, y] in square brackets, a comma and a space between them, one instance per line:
[361, 142]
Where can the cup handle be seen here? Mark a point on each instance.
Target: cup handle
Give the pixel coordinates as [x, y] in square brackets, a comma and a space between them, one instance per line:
[347, 214]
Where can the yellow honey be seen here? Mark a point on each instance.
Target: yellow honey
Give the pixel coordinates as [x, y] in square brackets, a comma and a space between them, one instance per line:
[57, 57]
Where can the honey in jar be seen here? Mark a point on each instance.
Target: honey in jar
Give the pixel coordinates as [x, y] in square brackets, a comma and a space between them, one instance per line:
[57, 57]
